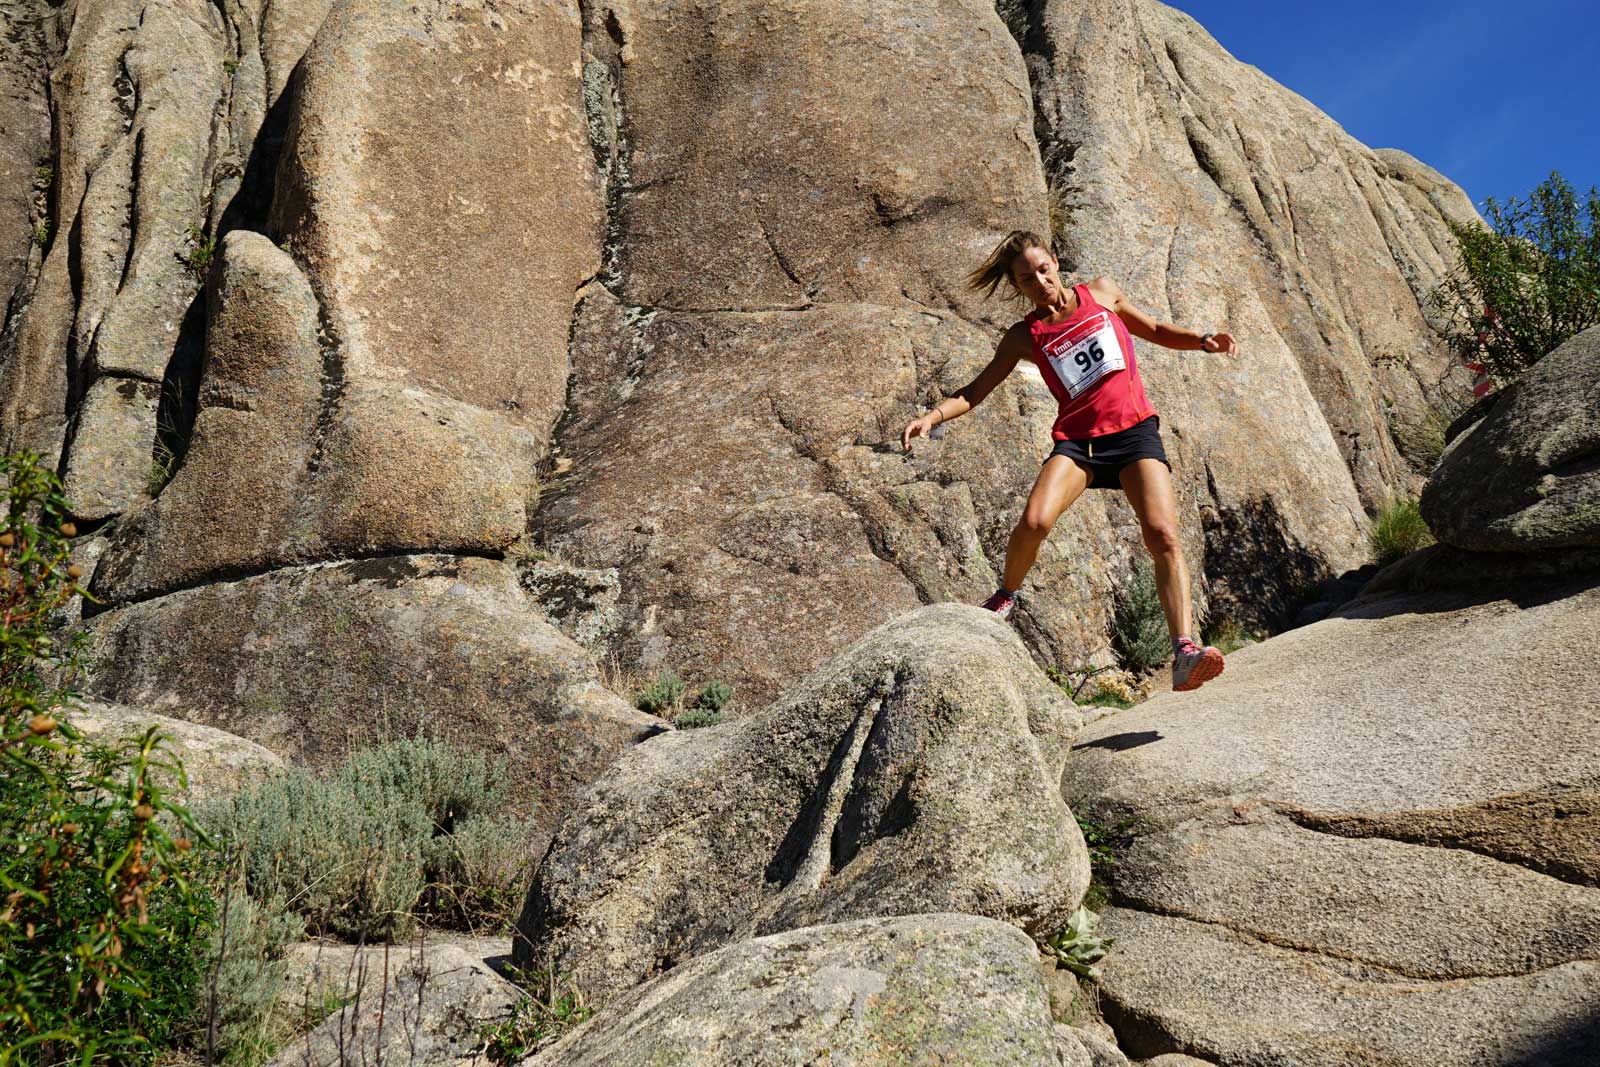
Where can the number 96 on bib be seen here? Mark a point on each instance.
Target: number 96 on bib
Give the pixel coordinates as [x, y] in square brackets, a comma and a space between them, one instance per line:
[1082, 360]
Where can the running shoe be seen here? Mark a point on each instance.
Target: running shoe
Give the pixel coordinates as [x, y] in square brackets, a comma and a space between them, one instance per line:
[1000, 603]
[1193, 666]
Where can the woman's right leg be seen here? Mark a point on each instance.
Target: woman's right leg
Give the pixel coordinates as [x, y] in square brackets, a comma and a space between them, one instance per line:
[1060, 482]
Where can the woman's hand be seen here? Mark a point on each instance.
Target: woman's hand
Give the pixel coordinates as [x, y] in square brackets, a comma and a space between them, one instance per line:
[1220, 342]
[920, 427]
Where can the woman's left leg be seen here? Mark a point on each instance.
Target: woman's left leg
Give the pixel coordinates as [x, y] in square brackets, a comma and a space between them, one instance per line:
[1148, 484]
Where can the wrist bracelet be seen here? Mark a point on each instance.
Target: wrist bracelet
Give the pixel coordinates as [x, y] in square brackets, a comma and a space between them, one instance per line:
[1203, 339]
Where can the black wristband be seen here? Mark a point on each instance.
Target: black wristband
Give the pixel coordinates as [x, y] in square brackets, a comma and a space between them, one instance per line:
[1203, 339]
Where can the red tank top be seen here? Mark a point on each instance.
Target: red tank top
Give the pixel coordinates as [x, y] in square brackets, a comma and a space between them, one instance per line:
[1089, 365]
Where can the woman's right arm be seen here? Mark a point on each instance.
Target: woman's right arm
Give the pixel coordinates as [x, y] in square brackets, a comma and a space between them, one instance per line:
[1012, 348]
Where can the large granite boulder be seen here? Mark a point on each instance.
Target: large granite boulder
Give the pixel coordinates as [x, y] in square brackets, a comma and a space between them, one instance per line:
[921, 989]
[445, 220]
[1376, 838]
[918, 770]
[1525, 477]
[388, 467]
[310, 660]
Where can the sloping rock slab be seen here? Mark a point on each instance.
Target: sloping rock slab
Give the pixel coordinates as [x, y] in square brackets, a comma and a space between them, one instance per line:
[922, 989]
[214, 761]
[1369, 839]
[918, 770]
[1233, 1000]
[424, 1005]
[308, 661]
[1527, 476]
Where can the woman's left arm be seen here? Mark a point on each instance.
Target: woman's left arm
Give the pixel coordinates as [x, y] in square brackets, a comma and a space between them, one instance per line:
[1164, 334]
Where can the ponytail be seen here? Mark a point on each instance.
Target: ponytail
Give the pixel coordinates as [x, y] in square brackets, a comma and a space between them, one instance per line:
[997, 268]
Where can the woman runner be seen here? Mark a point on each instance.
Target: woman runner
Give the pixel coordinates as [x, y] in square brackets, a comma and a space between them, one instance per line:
[1107, 435]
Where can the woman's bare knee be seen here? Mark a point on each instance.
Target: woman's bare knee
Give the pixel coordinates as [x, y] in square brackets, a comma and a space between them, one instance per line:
[1035, 524]
[1162, 539]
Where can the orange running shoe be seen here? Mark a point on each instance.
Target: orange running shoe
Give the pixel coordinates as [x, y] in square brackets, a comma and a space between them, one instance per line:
[1000, 603]
[1193, 666]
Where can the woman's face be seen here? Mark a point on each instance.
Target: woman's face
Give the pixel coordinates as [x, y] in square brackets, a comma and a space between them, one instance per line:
[1037, 276]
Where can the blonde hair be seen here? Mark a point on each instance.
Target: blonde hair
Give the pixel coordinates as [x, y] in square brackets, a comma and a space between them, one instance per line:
[997, 268]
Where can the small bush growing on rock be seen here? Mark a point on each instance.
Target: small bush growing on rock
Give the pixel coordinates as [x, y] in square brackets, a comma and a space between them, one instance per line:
[714, 697]
[663, 694]
[1525, 284]
[405, 830]
[552, 1006]
[1077, 945]
[1101, 842]
[199, 251]
[477, 872]
[1138, 626]
[695, 718]
[245, 964]
[1227, 636]
[1398, 530]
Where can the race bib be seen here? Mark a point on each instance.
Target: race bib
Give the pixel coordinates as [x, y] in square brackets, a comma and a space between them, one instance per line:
[1087, 352]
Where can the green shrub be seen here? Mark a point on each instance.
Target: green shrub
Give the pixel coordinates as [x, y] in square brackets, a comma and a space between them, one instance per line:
[101, 915]
[553, 1006]
[714, 697]
[1138, 626]
[245, 966]
[1101, 842]
[199, 251]
[349, 869]
[1525, 284]
[404, 830]
[450, 784]
[1227, 636]
[663, 694]
[695, 718]
[1398, 531]
[478, 874]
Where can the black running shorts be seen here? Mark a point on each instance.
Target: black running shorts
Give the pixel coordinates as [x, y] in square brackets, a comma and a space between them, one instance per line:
[1105, 456]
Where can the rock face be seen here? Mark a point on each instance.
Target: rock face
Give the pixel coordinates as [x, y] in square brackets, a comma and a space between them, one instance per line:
[308, 661]
[446, 221]
[755, 406]
[391, 467]
[918, 989]
[917, 771]
[155, 111]
[766, 250]
[1325, 867]
[1526, 476]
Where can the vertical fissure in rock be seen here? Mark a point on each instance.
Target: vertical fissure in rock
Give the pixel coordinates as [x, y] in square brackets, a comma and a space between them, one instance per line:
[602, 40]
[178, 403]
[135, 178]
[610, 137]
[1026, 21]
[125, 89]
[333, 383]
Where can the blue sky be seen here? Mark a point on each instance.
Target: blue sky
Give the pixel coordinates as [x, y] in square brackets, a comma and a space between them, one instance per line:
[1494, 95]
